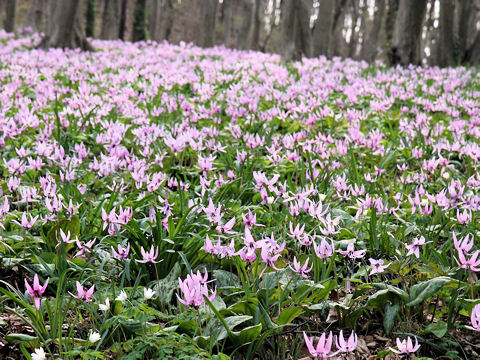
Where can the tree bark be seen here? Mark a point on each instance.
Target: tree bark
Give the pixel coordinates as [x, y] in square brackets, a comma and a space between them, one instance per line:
[139, 21]
[9, 23]
[123, 19]
[465, 25]
[208, 13]
[111, 20]
[66, 26]
[353, 38]
[323, 28]
[337, 42]
[254, 44]
[296, 35]
[445, 52]
[35, 15]
[407, 32]
[370, 44]
[390, 25]
[90, 19]
[227, 16]
[472, 55]
[246, 16]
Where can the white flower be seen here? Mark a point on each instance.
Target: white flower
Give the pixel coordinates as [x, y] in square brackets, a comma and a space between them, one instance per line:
[94, 337]
[122, 297]
[39, 354]
[106, 306]
[446, 175]
[148, 293]
[270, 200]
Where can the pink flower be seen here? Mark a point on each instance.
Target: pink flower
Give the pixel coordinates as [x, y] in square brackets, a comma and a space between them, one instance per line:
[377, 266]
[299, 268]
[193, 288]
[149, 256]
[324, 345]
[27, 224]
[406, 346]
[472, 263]
[325, 250]
[475, 318]
[122, 252]
[347, 346]
[352, 253]
[37, 291]
[82, 294]
[414, 247]
[465, 244]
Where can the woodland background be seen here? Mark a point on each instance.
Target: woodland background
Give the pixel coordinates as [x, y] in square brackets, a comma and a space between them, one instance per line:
[427, 32]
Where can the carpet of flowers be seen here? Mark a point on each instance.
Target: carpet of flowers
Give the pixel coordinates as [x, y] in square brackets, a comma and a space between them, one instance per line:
[165, 201]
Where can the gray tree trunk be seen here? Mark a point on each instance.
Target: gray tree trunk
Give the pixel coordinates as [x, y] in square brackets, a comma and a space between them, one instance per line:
[35, 15]
[337, 44]
[295, 29]
[370, 44]
[246, 17]
[11, 9]
[208, 14]
[472, 55]
[445, 52]
[254, 43]
[390, 25]
[227, 23]
[464, 27]
[353, 38]
[66, 26]
[323, 28]
[407, 32]
[110, 20]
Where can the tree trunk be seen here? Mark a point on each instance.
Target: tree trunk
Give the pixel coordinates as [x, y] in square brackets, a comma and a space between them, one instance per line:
[323, 27]
[123, 19]
[445, 52]
[337, 42]
[304, 35]
[352, 46]
[295, 23]
[390, 24]
[208, 14]
[369, 48]
[111, 20]
[407, 32]
[9, 23]
[246, 16]
[227, 16]
[139, 21]
[465, 25]
[35, 14]
[472, 55]
[90, 19]
[66, 26]
[254, 43]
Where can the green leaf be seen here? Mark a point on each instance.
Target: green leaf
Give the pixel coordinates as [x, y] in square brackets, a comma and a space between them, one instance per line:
[391, 312]
[288, 315]
[247, 335]
[421, 291]
[25, 339]
[168, 284]
[439, 329]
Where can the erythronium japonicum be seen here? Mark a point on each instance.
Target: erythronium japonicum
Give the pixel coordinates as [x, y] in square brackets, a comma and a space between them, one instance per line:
[36, 291]
[193, 288]
[323, 348]
[406, 346]
[475, 318]
[82, 294]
